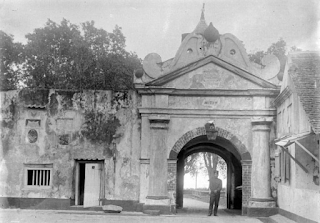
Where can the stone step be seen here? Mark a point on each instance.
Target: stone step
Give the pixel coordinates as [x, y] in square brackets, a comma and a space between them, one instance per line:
[111, 208]
[152, 212]
[281, 219]
[81, 208]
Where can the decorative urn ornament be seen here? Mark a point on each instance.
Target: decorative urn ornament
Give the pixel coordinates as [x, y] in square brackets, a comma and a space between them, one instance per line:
[211, 34]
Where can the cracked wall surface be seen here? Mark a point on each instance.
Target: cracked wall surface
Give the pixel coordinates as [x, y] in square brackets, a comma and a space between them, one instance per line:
[59, 127]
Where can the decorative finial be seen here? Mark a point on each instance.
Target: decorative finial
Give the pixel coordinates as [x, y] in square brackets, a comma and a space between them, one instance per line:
[202, 25]
[202, 13]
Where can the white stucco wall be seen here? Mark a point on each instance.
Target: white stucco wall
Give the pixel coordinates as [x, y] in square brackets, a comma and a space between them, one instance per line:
[302, 202]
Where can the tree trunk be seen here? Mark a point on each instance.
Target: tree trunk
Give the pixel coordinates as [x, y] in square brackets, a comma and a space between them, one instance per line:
[211, 162]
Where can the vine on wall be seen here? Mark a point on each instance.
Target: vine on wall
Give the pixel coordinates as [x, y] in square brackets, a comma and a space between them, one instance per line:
[8, 115]
[99, 127]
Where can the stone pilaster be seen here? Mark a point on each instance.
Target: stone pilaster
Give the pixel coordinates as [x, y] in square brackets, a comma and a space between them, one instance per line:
[261, 203]
[158, 191]
[144, 179]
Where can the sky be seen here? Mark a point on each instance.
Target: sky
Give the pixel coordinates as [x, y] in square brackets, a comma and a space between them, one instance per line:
[155, 26]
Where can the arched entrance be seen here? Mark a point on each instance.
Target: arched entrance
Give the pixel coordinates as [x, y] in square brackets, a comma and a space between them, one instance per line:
[228, 147]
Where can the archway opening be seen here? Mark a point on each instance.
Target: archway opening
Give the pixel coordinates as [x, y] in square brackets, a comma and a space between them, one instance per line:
[198, 166]
[227, 151]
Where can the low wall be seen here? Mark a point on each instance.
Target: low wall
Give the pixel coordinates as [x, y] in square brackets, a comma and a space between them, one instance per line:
[202, 192]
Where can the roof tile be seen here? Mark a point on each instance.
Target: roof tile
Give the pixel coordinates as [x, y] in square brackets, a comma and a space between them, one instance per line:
[305, 73]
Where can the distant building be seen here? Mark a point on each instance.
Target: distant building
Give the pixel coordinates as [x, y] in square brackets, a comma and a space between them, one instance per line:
[208, 98]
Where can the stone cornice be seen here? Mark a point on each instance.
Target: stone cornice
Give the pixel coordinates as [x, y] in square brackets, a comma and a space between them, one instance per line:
[261, 120]
[261, 123]
[246, 162]
[208, 92]
[172, 161]
[282, 96]
[206, 112]
[159, 121]
[145, 161]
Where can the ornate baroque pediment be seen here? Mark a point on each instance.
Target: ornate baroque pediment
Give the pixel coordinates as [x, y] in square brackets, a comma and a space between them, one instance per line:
[225, 53]
[210, 73]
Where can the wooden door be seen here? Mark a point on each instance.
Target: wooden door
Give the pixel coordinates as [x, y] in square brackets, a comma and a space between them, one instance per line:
[92, 185]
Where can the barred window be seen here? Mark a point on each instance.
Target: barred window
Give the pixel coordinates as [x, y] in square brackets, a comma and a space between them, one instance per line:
[38, 175]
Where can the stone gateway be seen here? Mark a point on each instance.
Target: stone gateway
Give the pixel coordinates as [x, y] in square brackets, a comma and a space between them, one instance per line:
[208, 98]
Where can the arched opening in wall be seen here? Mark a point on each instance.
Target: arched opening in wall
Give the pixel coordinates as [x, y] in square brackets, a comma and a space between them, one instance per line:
[231, 197]
[198, 166]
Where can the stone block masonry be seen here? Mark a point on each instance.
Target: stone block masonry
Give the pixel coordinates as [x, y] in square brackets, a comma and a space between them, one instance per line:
[172, 173]
[246, 185]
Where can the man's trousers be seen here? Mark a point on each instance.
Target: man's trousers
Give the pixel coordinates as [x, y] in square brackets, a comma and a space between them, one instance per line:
[214, 198]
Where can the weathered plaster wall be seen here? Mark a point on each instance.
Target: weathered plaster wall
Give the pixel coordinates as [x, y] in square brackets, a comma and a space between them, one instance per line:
[180, 124]
[187, 113]
[211, 76]
[228, 119]
[128, 147]
[66, 124]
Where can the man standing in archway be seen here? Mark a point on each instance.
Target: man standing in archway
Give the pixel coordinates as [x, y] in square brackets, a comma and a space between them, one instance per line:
[215, 186]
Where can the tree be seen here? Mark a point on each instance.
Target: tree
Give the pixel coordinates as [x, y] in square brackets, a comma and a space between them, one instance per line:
[257, 56]
[193, 164]
[10, 58]
[278, 48]
[207, 162]
[213, 162]
[71, 57]
[294, 49]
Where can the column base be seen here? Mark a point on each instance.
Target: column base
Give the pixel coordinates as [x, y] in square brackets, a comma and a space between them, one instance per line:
[261, 207]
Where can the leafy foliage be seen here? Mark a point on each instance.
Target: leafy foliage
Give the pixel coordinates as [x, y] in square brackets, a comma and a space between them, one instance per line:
[278, 49]
[10, 58]
[99, 127]
[192, 164]
[257, 57]
[294, 49]
[206, 162]
[68, 56]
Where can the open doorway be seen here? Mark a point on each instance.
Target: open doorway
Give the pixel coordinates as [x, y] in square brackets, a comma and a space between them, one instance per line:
[89, 183]
[233, 181]
[197, 168]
